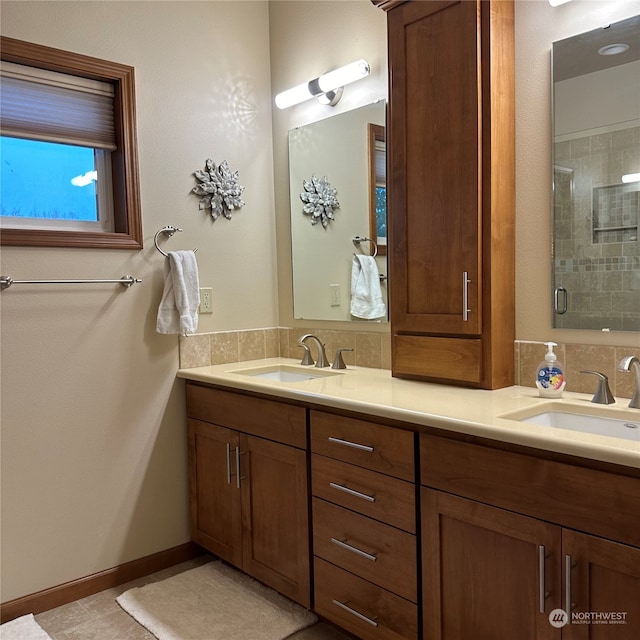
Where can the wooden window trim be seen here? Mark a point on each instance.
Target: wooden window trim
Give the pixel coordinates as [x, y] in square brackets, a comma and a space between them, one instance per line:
[126, 194]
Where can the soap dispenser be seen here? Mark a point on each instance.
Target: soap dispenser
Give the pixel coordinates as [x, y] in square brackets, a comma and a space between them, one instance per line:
[550, 378]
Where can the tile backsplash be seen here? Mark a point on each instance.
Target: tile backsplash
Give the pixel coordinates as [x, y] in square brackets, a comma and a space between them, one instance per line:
[374, 350]
[576, 358]
[203, 349]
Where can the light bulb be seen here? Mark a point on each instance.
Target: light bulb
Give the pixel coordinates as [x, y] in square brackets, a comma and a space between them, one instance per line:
[344, 75]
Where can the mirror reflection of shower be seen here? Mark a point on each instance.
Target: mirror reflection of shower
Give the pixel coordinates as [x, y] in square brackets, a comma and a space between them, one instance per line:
[596, 200]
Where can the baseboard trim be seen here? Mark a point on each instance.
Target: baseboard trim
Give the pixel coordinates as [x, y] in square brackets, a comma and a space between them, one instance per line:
[82, 587]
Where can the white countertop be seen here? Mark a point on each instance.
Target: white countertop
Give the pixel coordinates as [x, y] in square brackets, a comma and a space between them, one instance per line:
[475, 412]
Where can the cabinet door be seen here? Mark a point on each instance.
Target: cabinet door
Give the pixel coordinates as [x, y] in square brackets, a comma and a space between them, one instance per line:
[602, 582]
[214, 498]
[275, 516]
[435, 164]
[487, 573]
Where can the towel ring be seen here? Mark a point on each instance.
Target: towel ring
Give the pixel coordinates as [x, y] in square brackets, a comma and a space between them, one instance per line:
[358, 239]
[168, 231]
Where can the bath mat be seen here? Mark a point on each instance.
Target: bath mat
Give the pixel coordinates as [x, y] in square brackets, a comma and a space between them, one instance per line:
[214, 602]
[23, 628]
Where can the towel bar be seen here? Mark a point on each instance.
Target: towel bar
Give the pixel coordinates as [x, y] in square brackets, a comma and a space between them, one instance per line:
[125, 281]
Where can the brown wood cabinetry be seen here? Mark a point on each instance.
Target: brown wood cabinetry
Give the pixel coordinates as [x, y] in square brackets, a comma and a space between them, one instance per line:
[504, 553]
[451, 190]
[249, 494]
[364, 527]
[507, 534]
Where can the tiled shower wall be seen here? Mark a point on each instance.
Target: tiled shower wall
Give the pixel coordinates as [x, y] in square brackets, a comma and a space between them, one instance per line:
[374, 350]
[596, 242]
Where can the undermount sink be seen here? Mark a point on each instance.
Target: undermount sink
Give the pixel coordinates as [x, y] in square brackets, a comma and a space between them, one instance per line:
[285, 373]
[615, 423]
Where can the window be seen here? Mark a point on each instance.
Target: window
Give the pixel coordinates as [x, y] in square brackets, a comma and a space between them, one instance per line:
[68, 148]
[378, 187]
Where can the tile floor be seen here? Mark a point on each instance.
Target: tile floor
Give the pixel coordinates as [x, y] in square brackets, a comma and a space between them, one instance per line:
[99, 617]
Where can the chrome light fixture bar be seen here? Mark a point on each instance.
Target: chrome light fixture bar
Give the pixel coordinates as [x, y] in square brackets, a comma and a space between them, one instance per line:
[327, 88]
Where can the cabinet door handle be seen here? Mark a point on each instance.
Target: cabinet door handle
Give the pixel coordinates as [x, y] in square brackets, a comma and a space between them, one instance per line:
[228, 463]
[238, 467]
[542, 593]
[348, 547]
[357, 614]
[465, 295]
[352, 492]
[568, 605]
[347, 443]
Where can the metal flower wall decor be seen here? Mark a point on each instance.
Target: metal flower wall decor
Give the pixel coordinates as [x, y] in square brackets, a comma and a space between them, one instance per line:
[320, 200]
[218, 189]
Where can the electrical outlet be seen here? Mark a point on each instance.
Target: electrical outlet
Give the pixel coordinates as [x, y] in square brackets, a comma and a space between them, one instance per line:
[334, 295]
[206, 300]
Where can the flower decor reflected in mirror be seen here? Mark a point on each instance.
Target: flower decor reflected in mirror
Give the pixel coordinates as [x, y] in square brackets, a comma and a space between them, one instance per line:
[320, 200]
[219, 189]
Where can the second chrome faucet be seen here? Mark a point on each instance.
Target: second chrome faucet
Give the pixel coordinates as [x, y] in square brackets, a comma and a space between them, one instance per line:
[307, 359]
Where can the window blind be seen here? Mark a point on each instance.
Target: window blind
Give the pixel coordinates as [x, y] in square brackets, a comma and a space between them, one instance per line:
[381, 163]
[44, 105]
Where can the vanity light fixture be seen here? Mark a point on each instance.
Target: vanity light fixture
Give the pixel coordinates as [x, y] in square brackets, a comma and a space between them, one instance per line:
[557, 3]
[327, 88]
[614, 49]
[631, 177]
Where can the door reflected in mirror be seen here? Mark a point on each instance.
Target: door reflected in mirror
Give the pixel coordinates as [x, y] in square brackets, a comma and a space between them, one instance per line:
[346, 154]
[596, 179]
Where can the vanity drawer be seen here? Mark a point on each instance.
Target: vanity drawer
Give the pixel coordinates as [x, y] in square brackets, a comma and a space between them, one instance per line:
[377, 552]
[272, 420]
[368, 611]
[375, 495]
[602, 503]
[373, 446]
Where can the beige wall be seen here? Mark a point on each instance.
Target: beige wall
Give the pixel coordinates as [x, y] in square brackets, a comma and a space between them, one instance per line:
[93, 446]
[93, 428]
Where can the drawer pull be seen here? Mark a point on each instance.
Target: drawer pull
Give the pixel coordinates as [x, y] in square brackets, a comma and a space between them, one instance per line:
[228, 463]
[352, 492]
[357, 614]
[355, 445]
[348, 547]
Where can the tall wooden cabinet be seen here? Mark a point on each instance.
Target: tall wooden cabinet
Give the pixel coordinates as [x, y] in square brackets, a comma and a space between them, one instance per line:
[248, 492]
[451, 190]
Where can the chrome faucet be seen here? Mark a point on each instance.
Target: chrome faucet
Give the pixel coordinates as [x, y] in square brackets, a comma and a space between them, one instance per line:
[603, 394]
[322, 356]
[627, 364]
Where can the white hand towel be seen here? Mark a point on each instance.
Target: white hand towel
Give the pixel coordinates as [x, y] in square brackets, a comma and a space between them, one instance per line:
[366, 294]
[178, 310]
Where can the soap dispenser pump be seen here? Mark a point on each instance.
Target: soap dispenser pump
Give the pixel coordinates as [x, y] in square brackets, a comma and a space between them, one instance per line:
[550, 378]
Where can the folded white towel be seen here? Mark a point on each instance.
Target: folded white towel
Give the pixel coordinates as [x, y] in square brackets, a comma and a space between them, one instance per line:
[366, 294]
[178, 310]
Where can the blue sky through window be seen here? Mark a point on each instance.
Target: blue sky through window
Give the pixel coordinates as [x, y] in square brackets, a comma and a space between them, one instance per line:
[47, 180]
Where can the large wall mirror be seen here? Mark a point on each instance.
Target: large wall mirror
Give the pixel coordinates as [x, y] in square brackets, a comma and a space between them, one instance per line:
[596, 179]
[346, 154]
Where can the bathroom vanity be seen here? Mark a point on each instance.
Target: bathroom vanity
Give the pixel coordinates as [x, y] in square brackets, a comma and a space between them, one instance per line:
[406, 510]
